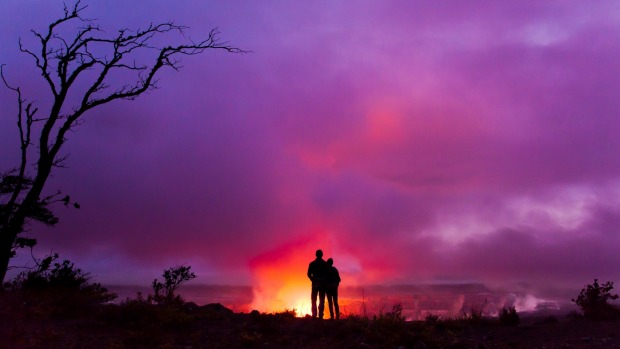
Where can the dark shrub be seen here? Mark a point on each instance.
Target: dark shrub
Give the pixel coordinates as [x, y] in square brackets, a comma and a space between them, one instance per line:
[389, 329]
[164, 292]
[431, 319]
[593, 301]
[57, 289]
[509, 316]
[61, 278]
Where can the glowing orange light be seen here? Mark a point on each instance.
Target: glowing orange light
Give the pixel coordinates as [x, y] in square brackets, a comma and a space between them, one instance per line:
[286, 297]
[280, 280]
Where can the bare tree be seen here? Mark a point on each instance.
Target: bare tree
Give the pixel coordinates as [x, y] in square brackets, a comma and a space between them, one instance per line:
[83, 64]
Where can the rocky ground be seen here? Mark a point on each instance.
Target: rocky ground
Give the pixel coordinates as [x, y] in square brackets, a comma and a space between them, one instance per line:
[137, 324]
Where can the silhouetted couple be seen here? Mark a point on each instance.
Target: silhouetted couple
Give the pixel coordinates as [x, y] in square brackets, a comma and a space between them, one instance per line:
[325, 280]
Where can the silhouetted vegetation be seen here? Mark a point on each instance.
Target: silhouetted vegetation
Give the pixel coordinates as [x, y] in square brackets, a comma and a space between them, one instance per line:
[594, 301]
[164, 292]
[508, 316]
[55, 289]
[80, 317]
[75, 57]
[60, 278]
[139, 324]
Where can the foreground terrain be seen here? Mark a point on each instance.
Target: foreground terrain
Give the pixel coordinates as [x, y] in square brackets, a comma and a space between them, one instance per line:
[60, 322]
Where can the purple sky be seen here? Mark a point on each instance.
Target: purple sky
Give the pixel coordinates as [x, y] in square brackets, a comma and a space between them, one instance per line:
[413, 141]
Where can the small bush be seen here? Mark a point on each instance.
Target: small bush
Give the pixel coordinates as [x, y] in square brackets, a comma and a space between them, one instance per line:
[593, 301]
[61, 278]
[509, 316]
[393, 316]
[286, 314]
[474, 315]
[164, 292]
[56, 289]
[389, 328]
[432, 319]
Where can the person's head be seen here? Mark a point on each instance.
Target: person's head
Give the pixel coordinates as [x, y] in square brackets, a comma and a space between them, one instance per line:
[319, 253]
[330, 262]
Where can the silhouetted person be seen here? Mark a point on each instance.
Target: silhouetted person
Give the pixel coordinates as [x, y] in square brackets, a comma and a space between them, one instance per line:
[333, 280]
[317, 272]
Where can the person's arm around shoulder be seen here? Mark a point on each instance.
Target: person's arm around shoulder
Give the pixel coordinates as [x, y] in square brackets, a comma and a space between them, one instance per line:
[337, 274]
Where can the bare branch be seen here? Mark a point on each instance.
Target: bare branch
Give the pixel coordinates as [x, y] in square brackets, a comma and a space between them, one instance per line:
[24, 138]
[83, 66]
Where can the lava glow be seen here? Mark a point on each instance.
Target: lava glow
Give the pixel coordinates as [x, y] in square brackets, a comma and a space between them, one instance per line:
[280, 280]
[291, 294]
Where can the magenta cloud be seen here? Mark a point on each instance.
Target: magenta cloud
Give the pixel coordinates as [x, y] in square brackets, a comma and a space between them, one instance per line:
[427, 141]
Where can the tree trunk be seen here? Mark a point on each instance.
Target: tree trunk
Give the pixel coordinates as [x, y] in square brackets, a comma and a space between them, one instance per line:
[14, 224]
[6, 246]
[89, 58]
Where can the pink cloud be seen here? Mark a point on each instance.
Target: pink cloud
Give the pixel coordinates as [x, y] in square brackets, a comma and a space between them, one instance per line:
[404, 132]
